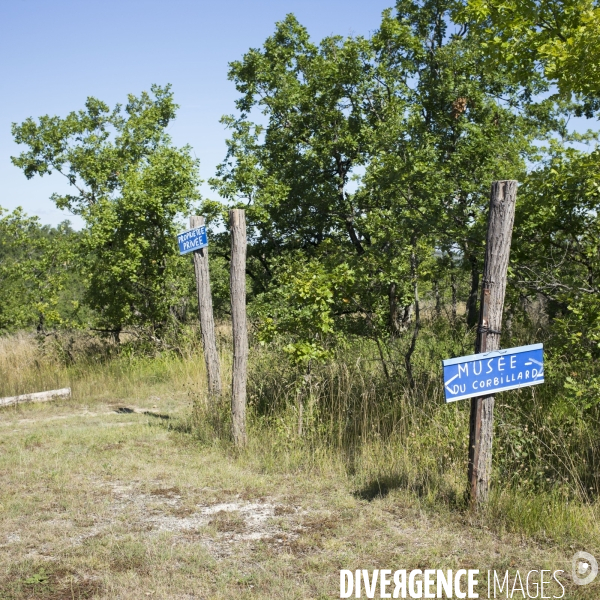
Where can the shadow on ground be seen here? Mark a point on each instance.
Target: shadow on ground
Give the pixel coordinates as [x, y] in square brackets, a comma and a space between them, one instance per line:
[125, 410]
[380, 488]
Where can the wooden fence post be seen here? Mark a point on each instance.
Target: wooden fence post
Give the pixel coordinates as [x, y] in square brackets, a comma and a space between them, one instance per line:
[237, 280]
[205, 308]
[500, 225]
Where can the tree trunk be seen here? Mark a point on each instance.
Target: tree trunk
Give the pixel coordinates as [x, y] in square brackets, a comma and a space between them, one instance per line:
[438, 301]
[453, 287]
[415, 335]
[509, 321]
[497, 252]
[394, 322]
[352, 234]
[36, 397]
[407, 316]
[237, 221]
[472, 300]
[205, 309]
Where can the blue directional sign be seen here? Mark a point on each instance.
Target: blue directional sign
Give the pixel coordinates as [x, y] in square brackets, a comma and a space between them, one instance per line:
[490, 372]
[192, 239]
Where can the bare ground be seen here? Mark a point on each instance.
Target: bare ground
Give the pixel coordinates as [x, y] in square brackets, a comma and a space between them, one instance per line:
[107, 501]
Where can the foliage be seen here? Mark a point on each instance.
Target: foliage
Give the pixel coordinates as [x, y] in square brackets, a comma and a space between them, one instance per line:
[555, 252]
[130, 185]
[445, 141]
[364, 166]
[416, 113]
[300, 306]
[39, 286]
[558, 257]
[555, 41]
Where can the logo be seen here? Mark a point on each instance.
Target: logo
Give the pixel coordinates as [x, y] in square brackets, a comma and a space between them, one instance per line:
[585, 568]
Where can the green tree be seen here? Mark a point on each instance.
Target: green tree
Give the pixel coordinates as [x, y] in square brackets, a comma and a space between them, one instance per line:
[445, 140]
[555, 41]
[130, 185]
[294, 173]
[300, 306]
[557, 258]
[416, 112]
[556, 248]
[38, 286]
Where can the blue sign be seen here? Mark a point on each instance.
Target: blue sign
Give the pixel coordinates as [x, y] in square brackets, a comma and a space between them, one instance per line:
[192, 239]
[490, 372]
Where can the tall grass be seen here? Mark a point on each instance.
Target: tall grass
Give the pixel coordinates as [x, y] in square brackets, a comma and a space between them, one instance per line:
[384, 435]
[96, 369]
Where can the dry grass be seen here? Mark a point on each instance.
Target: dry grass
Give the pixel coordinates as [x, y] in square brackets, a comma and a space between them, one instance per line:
[112, 495]
[118, 505]
[94, 371]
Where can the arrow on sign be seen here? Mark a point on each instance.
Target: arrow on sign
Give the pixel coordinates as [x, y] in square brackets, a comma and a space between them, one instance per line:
[449, 382]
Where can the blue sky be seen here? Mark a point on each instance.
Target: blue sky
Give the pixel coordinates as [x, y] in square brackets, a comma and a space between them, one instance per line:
[56, 53]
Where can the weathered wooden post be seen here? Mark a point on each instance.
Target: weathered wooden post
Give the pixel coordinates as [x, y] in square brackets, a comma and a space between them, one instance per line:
[497, 251]
[205, 308]
[237, 280]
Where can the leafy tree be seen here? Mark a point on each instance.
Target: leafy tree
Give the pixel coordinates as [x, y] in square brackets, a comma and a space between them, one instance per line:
[557, 257]
[38, 286]
[130, 184]
[447, 138]
[300, 306]
[555, 253]
[555, 41]
[415, 109]
[294, 174]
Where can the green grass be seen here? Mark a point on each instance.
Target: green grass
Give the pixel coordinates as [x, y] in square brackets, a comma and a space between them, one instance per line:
[132, 488]
[113, 505]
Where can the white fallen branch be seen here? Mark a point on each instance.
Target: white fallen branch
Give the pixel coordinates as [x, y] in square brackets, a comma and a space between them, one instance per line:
[36, 397]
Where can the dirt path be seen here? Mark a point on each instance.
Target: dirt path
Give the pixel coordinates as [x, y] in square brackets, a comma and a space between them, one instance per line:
[111, 502]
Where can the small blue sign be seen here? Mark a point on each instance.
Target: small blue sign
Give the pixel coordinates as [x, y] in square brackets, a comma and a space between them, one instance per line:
[490, 372]
[192, 239]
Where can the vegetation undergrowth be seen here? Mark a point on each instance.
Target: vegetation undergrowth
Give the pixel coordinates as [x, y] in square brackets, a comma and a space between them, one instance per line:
[386, 437]
[347, 418]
